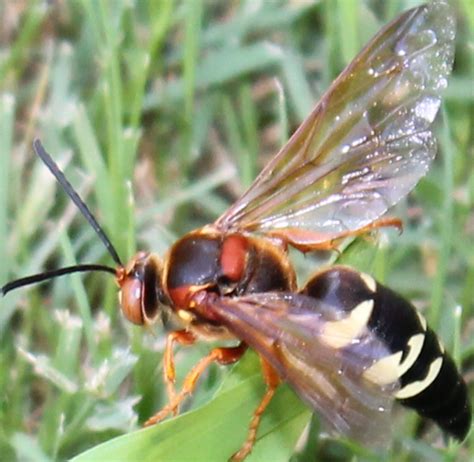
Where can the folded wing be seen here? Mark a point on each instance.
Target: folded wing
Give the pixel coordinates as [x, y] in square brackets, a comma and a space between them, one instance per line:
[291, 332]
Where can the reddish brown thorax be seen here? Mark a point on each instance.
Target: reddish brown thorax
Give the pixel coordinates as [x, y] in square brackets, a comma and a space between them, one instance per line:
[233, 257]
[202, 261]
[231, 264]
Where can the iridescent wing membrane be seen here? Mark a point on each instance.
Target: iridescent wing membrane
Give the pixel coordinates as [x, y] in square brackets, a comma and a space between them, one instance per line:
[368, 141]
[291, 332]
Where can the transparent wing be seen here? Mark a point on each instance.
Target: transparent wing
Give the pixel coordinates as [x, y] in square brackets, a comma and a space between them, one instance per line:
[368, 141]
[290, 332]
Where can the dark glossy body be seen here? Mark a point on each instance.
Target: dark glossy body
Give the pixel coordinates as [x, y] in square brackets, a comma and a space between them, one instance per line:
[205, 265]
[429, 381]
[227, 264]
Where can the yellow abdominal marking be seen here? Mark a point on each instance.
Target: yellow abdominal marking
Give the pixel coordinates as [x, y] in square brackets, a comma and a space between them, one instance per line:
[415, 344]
[422, 320]
[441, 346]
[339, 334]
[415, 388]
[390, 368]
[385, 370]
[369, 281]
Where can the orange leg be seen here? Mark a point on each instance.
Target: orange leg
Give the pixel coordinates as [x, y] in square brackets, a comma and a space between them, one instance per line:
[308, 241]
[169, 372]
[220, 355]
[384, 222]
[272, 380]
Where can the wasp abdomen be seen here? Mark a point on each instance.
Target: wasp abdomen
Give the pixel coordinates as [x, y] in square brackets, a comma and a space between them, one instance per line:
[434, 388]
[429, 381]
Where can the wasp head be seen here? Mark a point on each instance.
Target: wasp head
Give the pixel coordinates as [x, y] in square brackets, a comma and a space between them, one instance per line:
[141, 292]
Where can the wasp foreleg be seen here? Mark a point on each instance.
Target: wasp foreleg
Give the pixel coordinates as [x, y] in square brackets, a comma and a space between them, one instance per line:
[220, 355]
[169, 372]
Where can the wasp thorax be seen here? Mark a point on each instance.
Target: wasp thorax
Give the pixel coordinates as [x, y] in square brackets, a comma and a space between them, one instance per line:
[141, 294]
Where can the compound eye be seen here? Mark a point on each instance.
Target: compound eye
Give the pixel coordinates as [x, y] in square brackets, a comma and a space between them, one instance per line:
[141, 295]
[130, 295]
[152, 293]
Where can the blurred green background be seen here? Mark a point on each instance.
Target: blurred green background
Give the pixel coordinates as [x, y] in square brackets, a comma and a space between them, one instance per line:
[161, 113]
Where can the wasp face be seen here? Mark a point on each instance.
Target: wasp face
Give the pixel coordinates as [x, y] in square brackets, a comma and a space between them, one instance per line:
[141, 295]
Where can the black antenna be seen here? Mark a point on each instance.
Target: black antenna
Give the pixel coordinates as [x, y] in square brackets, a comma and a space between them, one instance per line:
[80, 204]
[71, 192]
[53, 274]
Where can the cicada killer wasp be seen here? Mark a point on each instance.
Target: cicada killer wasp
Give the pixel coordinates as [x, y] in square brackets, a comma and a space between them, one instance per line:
[347, 345]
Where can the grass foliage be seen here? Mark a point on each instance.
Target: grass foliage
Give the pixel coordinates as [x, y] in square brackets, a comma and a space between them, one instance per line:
[160, 113]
